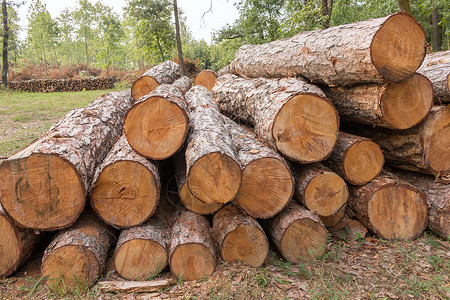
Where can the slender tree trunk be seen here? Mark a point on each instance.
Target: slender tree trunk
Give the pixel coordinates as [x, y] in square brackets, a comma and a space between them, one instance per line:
[87, 55]
[159, 45]
[436, 34]
[177, 30]
[327, 6]
[403, 5]
[5, 45]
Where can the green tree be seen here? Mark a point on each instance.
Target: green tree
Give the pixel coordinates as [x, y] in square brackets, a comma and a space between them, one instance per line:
[111, 35]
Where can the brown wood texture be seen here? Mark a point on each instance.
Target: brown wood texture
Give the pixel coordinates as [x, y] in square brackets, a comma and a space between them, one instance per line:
[61, 85]
[207, 78]
[126, 186]
[44, 186]
[289, 114]
[439, 75]
[389, 48]
[240, 238]
[332, 220]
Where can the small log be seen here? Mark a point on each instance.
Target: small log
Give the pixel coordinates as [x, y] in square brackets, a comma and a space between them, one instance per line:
[129, 287]
[207, 78]
[332, 220]
[439, 75]
[184, 84]
[240, 237]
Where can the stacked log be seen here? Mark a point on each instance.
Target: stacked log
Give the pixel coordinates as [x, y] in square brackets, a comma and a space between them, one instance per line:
[436, 67]
[61, 85]
[207, 78]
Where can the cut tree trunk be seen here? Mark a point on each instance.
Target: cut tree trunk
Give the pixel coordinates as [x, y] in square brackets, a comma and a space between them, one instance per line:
[390, 208]
[156, 126]
[184, 84]
[207, 78]
[44, 186]
[332, 220]
[267, 183]
[391, 105]
[436, 58]
[289, 114]
[141, 252]
[240, 237]
[77, 255]
[389, 48]
[125, 189]
[319, 189]
[192, 248]
[165, 72]
[16, 244]
[357, 159]
[439, 75]
[213, 174]
[298, 234]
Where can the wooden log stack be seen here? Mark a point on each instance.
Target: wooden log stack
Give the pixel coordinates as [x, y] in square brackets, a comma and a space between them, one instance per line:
[61, 85]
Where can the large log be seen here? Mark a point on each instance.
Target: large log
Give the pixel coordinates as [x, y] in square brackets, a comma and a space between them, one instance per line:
[390, 208]
[213, 174]
[357, 159]
[391, 105]
[439, 75]
[207, 78]
[389, 48]
[164, 73]
[289, 114]
[125, 188]
[44, 186]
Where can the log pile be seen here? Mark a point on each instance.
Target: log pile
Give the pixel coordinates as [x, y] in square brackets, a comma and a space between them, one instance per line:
[61, 85]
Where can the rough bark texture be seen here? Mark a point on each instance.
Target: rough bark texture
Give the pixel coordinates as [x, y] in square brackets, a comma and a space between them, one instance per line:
[192, 248]
[129, 287]
[213, 173]
[367, 51]
[207, 78]
[164, 73]
[436, 58]
[125, 188]
[184, 84]
[239, 237]
[44, 186]
[289, 114]
[439, 75]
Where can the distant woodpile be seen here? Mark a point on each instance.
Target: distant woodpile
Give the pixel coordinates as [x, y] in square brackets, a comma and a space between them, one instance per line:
[61, 85]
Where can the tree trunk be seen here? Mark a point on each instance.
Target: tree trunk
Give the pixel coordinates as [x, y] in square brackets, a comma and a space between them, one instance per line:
[213, 173]
[15, 246]
[77, 255]
[239, 237]
[192, 248]
[125, 188]
[159, 45]
[435, 58]
[436, 34]
[403, 5]
[178, 37]
[165, 72]
[183, 83]
[5, 45]
[391, 105]
[207, 78]
[327, 7]
[289, 114]
[44, 186]
[366, 51]
[439, 75]
[267, 183]
[357, 159]
[390, 208]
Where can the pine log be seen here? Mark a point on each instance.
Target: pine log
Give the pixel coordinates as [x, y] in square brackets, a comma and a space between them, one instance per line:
[319, 189]
[184, 84]
[192, 248]
[213, 173]
[389, 48]
[357, 159]
[436, 58]
[164, 73]
[131, 287]
[439, 75]
[289, 114]
[239, 237]
[298, 234]
[77, 255]
[267, 182]
[141, 251]
[44, 186]
[125, 188]
[156, 126]
[207, 78]
[332, 220]
[16, 244]
[391, 208]
[391, 105]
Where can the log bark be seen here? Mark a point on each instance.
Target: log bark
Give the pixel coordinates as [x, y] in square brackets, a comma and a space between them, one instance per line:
[267, 182]
[439, 75]
[213, 173]
[184, 84]
[389, 48]
[156, 126]
[391, 105]
[207, 78]
[192, 248]
[135, 286]
[298, 234]
[125, 188]
[319, 189]
[391, 208]
[44, 186]
[77, 255]
[289, 114]
[164, 73]
[436, 58]
[239, 237]
[141, 251]
[16, 244]
[357, 159]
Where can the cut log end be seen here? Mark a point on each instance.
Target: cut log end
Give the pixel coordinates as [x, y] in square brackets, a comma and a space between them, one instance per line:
[42, 192]
[363, 161]
[412, 98]
[9, 247]
[192, 261]
[142, 86]
[194, 204]
[398, 48]
[306, 128]
[267, 186]
[332, 220]
[140, 259]
[206, 78]
[215, 177]
[125, 194]
[156, 128]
